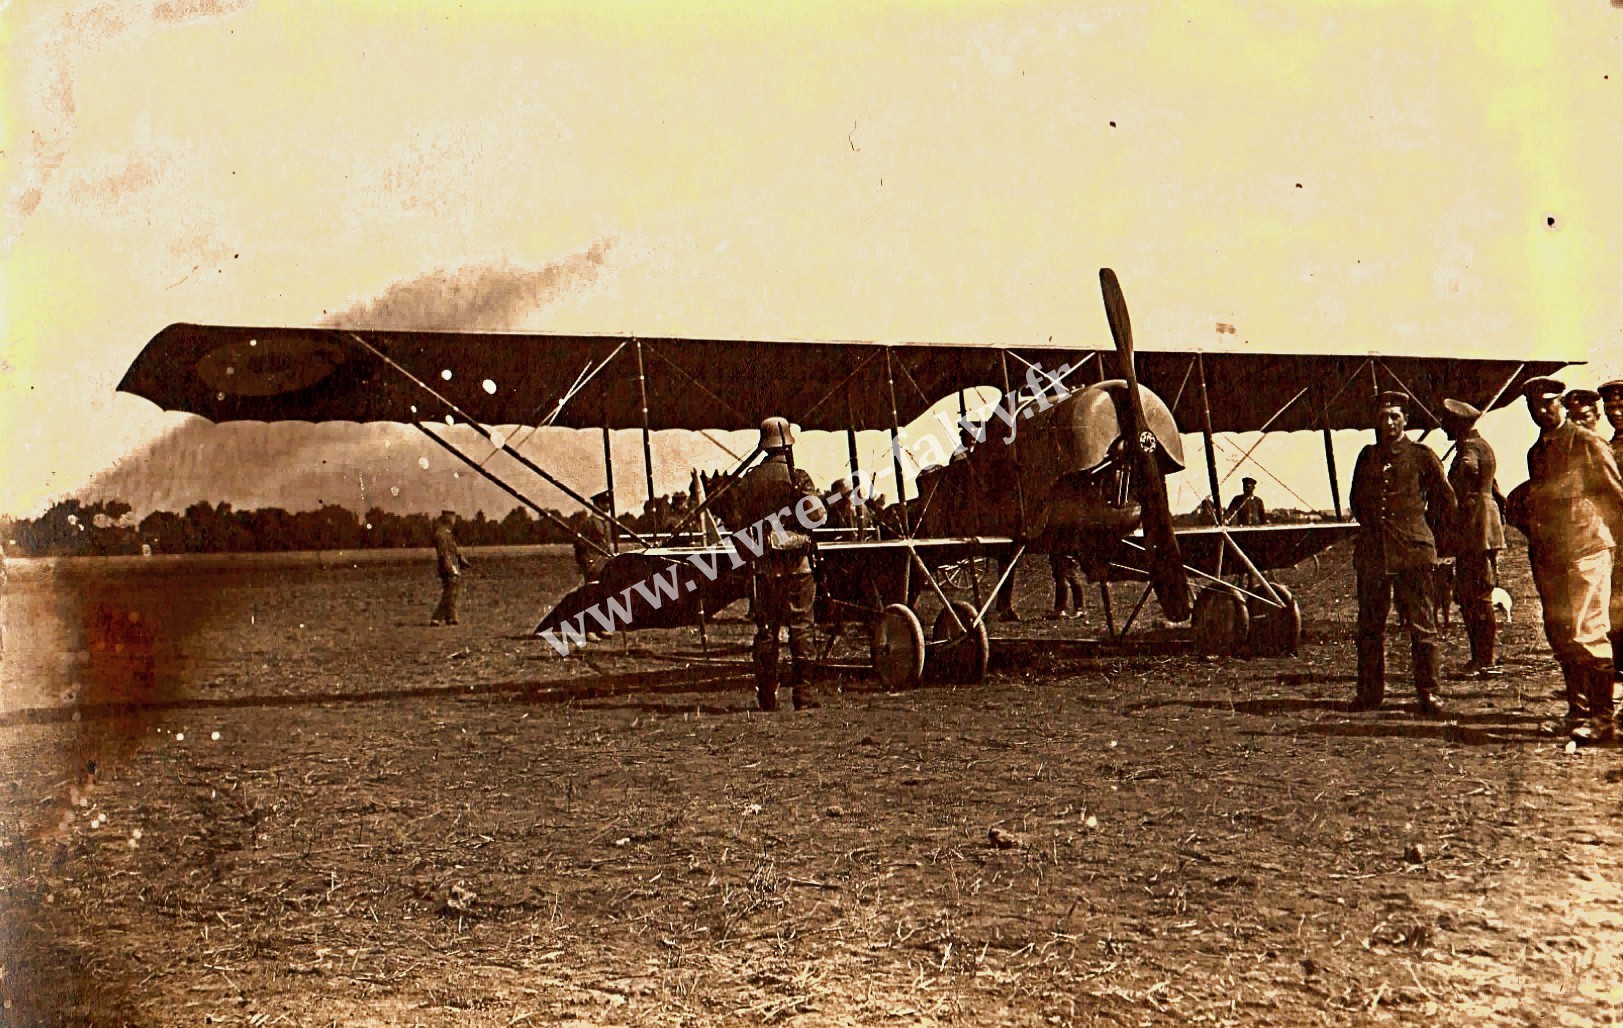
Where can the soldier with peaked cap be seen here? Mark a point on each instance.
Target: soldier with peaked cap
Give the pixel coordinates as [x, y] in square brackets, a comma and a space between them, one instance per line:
[449, 562]
[1477, 534]
[1246, 508]
[1611, 395]
[770, 500]
[1398, 488]
[1583, 408]
[1573, 491]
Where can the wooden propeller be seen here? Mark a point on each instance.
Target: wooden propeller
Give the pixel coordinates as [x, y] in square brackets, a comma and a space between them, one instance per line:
[1162, 556]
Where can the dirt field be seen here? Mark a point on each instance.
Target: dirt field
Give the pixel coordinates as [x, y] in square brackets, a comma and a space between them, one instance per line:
[277, 797]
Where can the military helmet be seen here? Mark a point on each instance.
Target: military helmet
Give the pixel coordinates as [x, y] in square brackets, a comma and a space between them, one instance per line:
[776, 434]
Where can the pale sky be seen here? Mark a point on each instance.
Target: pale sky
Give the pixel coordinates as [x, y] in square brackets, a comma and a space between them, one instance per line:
[1327, 177]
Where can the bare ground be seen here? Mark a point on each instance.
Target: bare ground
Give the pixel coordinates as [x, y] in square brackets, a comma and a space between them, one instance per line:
[399, 824]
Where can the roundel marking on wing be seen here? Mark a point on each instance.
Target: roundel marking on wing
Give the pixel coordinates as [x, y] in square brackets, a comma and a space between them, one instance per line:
[269, 367]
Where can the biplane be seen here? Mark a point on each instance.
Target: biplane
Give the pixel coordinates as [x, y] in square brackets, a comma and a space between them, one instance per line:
[1074, 461]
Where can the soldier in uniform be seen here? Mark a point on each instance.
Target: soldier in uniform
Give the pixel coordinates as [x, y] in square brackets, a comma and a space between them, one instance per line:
[449, 561]
[1611, 395]
[1067, 572]
[1583, 408]
[1246, 508]
[769, 501]
[1573, 491]
[1477, 534]
[594, 540]
[1396, 483]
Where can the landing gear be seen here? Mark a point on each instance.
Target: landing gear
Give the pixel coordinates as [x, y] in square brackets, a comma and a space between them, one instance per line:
[1220, 622]
[959, 647]
[1275, 631]
[897, 645]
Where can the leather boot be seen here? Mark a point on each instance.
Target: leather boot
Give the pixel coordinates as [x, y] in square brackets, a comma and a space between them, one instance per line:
[801, 694]
[1602, 682]
[1425, 677]
[766, 691]
[1482, 633]
[1577, 691]
[1617, 654]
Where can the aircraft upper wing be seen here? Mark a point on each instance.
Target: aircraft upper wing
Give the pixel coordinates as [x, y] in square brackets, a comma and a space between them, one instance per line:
[232, 373]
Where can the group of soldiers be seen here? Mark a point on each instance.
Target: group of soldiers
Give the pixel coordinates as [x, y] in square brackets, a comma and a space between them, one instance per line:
[1412, 515]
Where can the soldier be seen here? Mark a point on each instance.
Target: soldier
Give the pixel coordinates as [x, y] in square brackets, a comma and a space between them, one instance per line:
[1396, 483]
[769, 501]
[1573, 490]
[1246, 508]
[1067, 586]
[1611, 395]
[593, 544]
[1477, 535]
[449, 561]
[845, 512]
[1583, 408]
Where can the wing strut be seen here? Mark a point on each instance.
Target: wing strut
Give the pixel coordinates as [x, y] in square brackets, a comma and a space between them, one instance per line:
[520, 497]
[528, 464]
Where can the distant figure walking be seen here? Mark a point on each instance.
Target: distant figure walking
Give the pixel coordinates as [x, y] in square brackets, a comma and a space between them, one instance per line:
[449, 562]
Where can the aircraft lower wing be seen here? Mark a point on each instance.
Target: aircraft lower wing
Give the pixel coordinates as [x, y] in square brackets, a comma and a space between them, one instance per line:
[1268, 547]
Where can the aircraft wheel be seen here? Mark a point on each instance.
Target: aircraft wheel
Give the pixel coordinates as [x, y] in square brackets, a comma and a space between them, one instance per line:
[1275, 631]
[898, 647]
[1220, 622]
[956, 655]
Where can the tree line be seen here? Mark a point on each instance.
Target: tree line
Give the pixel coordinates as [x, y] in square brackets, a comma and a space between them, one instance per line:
[73, 528]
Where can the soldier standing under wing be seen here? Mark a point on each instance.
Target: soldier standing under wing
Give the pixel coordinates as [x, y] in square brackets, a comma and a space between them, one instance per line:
[785, 588]
[1396, 483]
[1477, 534]
[1573, 492]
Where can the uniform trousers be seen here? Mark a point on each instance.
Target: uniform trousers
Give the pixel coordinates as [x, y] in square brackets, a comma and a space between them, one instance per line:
[445, 613]
[1476, 575]
[1576, 597]
[1617, 614]
[1378, 589]
[1067, 582]
[783, 601]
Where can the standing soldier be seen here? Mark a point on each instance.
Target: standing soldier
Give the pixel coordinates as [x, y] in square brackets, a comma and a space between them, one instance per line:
[1396, 483]
[449, 561]
[1612, 395]
[1067, 573]
[1246, 508]
[1583, 408]
[1573, 491]
[770, 503]
[1477, 534]
[594, 542]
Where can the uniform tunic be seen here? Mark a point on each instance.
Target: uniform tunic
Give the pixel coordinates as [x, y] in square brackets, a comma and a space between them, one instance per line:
[1246, 510]
[1393, 491]
[1478, 532]
[449, 561]
[590, 558]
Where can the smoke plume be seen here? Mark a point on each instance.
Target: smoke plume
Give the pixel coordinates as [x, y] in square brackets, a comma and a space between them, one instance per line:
[487, 297]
